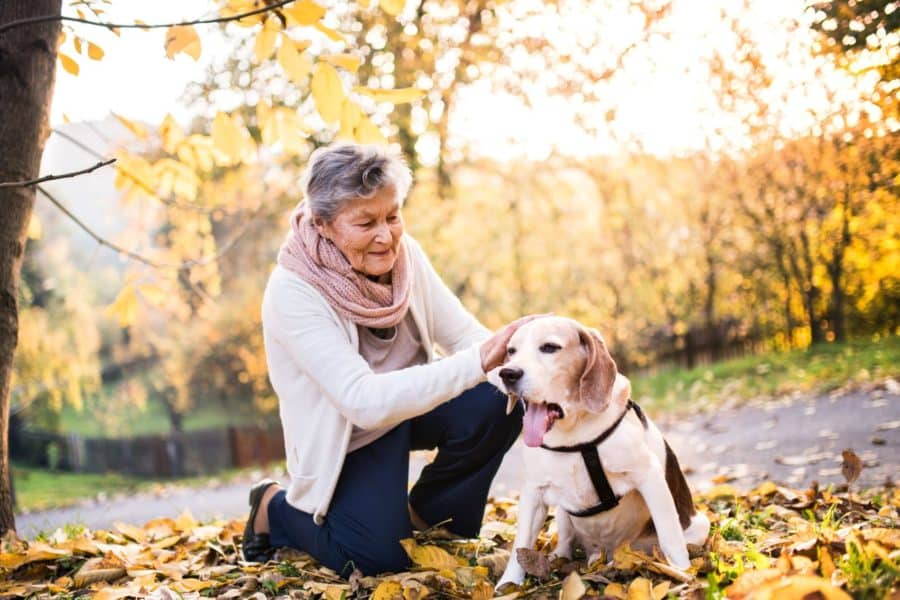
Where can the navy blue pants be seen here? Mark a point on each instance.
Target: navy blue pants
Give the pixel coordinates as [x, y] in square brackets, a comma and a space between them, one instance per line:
[368, 514]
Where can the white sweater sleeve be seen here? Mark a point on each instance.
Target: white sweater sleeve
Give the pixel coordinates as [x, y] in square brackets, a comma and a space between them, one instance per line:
[294, 315]
[455, 327]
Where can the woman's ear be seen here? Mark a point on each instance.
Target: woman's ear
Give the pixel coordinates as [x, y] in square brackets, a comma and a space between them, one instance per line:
[321, 227]
[599, 375]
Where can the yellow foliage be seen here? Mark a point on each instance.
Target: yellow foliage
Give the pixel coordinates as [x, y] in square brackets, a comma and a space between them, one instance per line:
[231, 140]
[265, 40]
[294, 60]
[124, 307]
[95, 52]
[328, 92]
[170, 133]
[396, 96]
[35, 229]
[304, 12]
[367, 133]
[136, 128]
[349, 62]
[182, 38]
[69, 64]
[392, 7]
[429, 557]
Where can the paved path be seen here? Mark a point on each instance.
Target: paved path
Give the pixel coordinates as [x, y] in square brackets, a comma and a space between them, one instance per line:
[792, 441]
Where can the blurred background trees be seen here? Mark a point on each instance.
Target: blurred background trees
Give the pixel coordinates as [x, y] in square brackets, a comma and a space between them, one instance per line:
[773, 226]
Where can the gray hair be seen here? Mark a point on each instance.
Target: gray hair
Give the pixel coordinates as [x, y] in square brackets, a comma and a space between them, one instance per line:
[342, 172]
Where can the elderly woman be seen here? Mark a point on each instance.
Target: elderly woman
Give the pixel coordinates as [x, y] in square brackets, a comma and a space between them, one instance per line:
[351, 317]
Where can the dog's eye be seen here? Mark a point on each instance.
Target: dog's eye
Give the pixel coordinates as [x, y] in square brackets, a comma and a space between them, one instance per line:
[549, 348]
[510, 351]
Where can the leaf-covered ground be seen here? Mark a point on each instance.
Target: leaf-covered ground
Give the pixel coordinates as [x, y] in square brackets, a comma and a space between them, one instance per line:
[770, 543]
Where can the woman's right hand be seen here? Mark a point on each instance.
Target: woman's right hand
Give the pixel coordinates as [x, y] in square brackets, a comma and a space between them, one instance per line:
[493, 350]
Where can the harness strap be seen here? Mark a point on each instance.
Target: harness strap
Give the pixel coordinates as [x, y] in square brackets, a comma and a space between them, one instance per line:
[591, 457]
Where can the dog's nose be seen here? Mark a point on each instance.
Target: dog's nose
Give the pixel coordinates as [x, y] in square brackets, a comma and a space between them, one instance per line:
[510, 375]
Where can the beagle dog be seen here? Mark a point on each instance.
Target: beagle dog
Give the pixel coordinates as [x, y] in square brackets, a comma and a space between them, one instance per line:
[591, 452]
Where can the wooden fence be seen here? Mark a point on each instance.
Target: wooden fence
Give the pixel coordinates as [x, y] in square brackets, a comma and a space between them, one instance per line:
[170, 455]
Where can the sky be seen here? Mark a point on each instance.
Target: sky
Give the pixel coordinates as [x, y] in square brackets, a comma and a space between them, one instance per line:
[666, 103]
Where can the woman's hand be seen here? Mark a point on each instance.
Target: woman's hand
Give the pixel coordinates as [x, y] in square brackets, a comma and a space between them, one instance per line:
[493, 351]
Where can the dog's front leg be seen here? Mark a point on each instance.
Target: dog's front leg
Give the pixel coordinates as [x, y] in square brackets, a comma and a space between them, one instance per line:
[532, 512]
[565, 534]
[661, 505]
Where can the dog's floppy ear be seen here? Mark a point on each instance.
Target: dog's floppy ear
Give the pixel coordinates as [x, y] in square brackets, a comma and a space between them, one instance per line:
[596, 384]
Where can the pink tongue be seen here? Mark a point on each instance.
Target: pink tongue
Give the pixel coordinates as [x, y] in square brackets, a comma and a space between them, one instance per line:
[534, 425]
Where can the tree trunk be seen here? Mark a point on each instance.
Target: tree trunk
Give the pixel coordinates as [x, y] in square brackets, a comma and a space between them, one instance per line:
[27, 70]
[836, 272]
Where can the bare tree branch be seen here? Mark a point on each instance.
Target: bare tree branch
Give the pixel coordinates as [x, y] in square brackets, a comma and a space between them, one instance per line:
[100, 240]
[252, 221]
[237, 17]
[29, 182]
[137, 180]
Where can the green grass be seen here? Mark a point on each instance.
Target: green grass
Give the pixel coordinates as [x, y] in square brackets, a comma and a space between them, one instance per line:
[822, 368]
[42, 489]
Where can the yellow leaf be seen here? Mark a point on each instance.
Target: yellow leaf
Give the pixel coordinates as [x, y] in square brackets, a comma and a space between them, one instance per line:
[661, 590]
[95, 52]
[296, 63]
[124, 309]
[130, 531]
[392, 7]
[368, 133]
[798, 587]
[192, 585]
[35, 229]
[721, 491]
[388, 590]
[331, 33]
[185, 522]
[304, 12]
[182, 38]
[69, 64]
[37, 551]
[573, 587]
[77, 43]
[328, 92]
[230, 138]
[171, 134]
[154, 295]
[397, 96]
[265, 40]
[350, 117]
[428, 557]
[135, 128]
[345, 61]
[640, 589]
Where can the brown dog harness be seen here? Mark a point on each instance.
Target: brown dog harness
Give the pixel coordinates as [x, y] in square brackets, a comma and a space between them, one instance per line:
[588, 450]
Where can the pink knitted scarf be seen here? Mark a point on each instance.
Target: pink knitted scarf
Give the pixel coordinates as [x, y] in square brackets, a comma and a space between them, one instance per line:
[353, 295]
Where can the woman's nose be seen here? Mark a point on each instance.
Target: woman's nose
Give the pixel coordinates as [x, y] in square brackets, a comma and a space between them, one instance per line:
[383, 235]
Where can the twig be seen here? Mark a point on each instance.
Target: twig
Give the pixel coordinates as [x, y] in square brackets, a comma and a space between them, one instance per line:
[237, 17]
[28, 182]
[100, 240]
[184, 266]
[136, 180]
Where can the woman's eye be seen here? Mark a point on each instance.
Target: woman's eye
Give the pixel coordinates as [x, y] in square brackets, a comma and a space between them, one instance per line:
[549, 348]
[510, 351]
[394, 218]
[366, 224]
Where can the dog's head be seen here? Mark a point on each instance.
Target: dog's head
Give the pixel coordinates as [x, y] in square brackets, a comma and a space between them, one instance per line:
[560, 369]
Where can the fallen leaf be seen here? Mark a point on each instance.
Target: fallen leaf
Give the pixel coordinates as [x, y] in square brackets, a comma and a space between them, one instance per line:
[533, 562]
[573, 588]
[851, 466]
[428, 557]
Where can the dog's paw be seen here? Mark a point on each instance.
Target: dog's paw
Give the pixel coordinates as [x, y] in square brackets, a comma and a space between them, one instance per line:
[514, 575]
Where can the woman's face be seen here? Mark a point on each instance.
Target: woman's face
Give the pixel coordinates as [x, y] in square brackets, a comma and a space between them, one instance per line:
[367, 231]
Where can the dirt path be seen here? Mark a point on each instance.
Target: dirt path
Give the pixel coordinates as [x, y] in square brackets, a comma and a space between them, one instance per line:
[793, 442]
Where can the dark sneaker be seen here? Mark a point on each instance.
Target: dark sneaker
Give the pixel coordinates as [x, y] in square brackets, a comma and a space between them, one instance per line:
[255, 546]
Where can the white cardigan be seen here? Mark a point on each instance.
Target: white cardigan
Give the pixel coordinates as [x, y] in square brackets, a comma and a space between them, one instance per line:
[324, 385]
